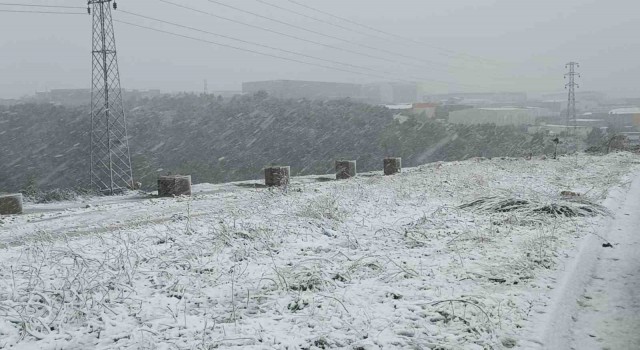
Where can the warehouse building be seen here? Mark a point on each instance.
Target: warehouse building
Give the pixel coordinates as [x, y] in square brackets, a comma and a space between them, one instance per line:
[625, 118]
[374, 93]
[499, 116]
[313, 90]
[479, 99]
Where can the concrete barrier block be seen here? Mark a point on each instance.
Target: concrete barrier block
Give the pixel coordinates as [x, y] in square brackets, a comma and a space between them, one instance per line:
[277, 176]
[392, 165]
[174, 185]
[345, 169]
[11, 204]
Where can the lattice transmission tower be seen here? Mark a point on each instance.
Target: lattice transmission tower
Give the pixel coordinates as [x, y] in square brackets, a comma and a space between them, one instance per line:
[571, 86]
[110, 159]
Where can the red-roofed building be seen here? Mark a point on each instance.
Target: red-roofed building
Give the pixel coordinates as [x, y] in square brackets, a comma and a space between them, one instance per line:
[429, 109]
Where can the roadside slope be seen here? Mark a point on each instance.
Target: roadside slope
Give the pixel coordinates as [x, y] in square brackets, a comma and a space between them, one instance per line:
[595, 304]
[609, 309]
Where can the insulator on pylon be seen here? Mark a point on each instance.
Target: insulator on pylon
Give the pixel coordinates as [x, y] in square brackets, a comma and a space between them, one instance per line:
[115, 5]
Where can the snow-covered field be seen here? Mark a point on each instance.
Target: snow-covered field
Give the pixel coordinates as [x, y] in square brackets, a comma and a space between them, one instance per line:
[372, 262]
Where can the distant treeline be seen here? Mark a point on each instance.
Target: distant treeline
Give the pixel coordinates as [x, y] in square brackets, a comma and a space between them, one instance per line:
[218, 140]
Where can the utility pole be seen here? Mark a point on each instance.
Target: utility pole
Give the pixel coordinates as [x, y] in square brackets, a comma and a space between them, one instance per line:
[206, 87]
[571, 86]
[110, 159]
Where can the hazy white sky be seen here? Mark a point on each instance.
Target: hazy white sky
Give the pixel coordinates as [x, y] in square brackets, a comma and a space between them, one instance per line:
[525, 44]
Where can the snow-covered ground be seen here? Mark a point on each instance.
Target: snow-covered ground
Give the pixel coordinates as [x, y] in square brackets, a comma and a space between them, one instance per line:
[372, 262]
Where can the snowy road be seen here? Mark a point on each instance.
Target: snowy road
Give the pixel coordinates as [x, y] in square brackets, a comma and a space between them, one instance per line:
[596, 304]
[609, 310]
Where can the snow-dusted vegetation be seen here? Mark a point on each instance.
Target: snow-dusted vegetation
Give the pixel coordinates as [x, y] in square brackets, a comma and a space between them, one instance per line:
[217, 140]
[443, 256]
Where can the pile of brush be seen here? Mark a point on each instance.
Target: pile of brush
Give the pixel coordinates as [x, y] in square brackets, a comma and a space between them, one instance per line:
[566, 205]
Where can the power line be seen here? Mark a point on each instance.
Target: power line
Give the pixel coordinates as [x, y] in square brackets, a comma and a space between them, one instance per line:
[253, 51]
[257, 44]
[321, 34]
[356, 31]
[284, 34]
[346, 20]
[320, 20]
[450, 52]
[36, 5]
[389, 74]
[45, 12]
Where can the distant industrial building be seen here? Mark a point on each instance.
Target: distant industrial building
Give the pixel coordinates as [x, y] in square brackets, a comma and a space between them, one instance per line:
[580, 95]
[499, 116]
[72, 97]
[590, 120]
[374, 93]
[625, 118]
[425, 110]
[80, 97]
[404, 107]
[479, 99]
[313, 90]
[552, 105]
[421, 111]
[588, 101]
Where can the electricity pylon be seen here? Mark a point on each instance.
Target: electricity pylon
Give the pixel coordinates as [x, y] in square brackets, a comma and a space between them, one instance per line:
[571, 86]
[110, 159]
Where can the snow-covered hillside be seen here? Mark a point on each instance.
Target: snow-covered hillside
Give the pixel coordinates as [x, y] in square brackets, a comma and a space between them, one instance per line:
[443, 256]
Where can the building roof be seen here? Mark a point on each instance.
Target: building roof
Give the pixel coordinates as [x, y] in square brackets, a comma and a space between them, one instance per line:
[628, 110]
[400, 106]
[502, 109]
[565, 127]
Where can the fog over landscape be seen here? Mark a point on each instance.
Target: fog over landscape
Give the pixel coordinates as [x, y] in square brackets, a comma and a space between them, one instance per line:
[525, 45]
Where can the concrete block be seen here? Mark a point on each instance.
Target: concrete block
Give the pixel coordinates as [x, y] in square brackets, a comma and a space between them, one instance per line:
[392, 165]
[277, 176]
[345, 169]
[174, 185]
[10, 204]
